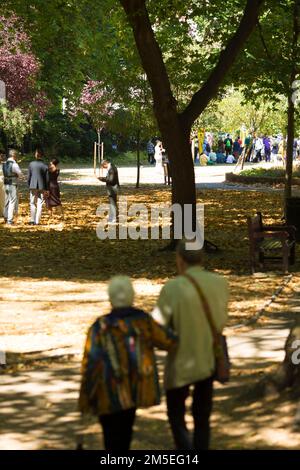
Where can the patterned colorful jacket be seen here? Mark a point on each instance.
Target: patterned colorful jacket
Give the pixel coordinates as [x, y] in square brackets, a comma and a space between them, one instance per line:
[119, 367]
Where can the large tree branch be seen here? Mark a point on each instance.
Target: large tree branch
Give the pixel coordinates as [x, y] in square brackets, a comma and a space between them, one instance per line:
[150, 55]
[263, 41]
[209, 89]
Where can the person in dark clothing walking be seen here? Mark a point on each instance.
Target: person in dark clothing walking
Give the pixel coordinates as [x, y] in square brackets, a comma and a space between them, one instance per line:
[38, 183]
[112, 186]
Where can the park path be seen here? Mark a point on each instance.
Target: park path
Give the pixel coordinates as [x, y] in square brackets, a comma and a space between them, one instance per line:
[38, 400]
[206, 177]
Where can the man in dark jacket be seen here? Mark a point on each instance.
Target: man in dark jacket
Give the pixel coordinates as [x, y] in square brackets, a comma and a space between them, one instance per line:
[38, 183]
[112, 186]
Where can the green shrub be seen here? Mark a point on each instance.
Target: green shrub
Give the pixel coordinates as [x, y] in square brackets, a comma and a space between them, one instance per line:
[267, 172]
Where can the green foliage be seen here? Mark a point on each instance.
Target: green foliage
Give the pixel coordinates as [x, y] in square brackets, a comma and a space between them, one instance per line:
[264, 68]
[230, 112]
[63, 137]
[69, 39]
[267, 172]
[80, 40]
[15, 124]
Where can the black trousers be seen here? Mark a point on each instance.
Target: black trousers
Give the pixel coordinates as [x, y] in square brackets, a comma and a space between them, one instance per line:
[112, 198]
[117, 429]
[201, 411]
[151, 158]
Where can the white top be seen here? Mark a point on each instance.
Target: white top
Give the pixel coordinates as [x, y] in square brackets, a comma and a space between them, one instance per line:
[230, 159]
[158, 153]
[258, 143]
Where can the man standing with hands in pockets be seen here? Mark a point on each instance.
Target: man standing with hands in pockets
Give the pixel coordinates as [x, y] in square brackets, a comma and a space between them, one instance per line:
[38, 183]
[112, 186]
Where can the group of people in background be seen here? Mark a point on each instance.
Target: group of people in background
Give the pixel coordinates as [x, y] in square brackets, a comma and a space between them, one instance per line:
[227, 150]
[257, 148]
[42, 183]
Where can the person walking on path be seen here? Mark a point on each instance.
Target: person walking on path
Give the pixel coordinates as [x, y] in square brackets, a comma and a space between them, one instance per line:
[38, 183]
[11, 173]
[112, 187]
[192, 364]
[119, 372]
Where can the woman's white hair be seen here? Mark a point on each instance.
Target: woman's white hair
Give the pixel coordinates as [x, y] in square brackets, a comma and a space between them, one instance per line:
[121, 292]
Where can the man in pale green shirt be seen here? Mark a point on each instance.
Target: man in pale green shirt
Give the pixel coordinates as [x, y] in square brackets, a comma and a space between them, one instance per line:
[193, 362]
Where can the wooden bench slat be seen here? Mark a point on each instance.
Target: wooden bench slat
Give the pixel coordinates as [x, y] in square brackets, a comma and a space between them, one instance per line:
[270, 245]
[270, 242]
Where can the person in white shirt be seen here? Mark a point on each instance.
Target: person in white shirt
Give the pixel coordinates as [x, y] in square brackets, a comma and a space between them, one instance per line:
[230, 159]
[258, 148]
[12, 173]
[158, 156]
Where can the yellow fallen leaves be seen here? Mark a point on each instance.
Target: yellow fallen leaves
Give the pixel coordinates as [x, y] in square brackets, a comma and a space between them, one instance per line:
[69, 250]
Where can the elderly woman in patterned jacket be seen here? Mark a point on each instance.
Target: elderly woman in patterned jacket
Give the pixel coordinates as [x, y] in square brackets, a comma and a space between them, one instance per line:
[119, 372]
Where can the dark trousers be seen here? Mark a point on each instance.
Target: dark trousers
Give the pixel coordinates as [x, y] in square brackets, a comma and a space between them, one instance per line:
[117, 429]
[201, 411]
[112, 198]
[268, 155]
[151, 158]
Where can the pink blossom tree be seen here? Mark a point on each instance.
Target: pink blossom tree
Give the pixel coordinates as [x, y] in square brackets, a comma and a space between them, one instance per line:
[96, 102]
[19, 68]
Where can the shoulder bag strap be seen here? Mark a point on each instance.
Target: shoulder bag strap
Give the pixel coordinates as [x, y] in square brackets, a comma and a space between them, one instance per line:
[206, 307]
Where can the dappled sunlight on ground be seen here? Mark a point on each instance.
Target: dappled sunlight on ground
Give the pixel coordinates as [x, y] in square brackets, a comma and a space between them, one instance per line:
[54, 284]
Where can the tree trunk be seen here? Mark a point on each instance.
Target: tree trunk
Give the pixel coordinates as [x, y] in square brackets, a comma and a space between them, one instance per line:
[289, 151]
[177, 142]
[291, 108]
[175, 127]
[288, 373]
[4, 141]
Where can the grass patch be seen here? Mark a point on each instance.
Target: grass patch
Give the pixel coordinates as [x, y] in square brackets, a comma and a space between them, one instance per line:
[268, 172]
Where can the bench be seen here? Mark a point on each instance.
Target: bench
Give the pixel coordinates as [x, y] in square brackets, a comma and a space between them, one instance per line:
[273, 242]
